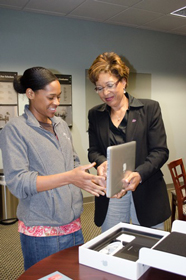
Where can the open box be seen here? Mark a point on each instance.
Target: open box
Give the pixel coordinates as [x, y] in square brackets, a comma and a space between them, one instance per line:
[128, 250]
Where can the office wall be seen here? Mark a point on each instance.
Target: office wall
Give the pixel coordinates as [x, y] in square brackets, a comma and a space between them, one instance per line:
[69, 46]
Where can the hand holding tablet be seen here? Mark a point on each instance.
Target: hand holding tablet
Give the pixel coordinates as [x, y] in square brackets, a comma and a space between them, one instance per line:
[120, 160]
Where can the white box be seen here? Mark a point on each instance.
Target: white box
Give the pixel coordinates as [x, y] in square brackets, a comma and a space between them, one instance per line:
[163, 260]
[90, 255]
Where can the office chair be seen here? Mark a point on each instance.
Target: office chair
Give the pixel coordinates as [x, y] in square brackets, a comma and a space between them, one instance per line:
[178, 175]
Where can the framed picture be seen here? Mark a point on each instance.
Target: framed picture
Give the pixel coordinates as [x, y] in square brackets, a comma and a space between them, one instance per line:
[66, 89]
[7, 113]
[65, 112]
[8, 96]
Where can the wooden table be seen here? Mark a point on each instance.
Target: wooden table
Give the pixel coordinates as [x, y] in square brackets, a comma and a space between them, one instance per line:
[66, 262]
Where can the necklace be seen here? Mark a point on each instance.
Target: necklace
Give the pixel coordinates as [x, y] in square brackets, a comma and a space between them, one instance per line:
[118, 117]
[118, 114]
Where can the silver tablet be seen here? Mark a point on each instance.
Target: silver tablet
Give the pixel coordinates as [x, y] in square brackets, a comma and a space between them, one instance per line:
[120, 159]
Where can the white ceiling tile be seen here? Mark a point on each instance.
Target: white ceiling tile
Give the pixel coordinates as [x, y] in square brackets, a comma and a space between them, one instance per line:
[161, 6]
[167, 23]
[14, 4]
[53, 6]
[134, 17]
[96, 10]
[120, 2]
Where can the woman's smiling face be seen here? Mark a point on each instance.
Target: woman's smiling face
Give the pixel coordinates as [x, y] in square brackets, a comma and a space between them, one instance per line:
[110, 89]
[44, 102]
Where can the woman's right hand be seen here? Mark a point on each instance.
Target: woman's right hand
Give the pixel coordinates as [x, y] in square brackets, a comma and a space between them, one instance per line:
[102, 169]
[95, 185]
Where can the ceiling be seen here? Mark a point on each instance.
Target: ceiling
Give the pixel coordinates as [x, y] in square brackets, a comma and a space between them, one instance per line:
[143, 14]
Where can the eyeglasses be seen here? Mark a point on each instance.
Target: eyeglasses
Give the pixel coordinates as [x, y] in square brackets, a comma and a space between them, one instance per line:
[109, 86]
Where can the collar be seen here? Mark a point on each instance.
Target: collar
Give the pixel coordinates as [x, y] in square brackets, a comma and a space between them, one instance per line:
[32, 121]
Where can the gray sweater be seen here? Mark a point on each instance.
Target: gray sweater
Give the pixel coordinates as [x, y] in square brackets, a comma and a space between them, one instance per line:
[28, 150]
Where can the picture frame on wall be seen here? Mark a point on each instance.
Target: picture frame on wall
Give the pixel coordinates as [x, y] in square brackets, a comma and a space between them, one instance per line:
[66, 89]
[8, 98]
[65, 112]
[7, 113]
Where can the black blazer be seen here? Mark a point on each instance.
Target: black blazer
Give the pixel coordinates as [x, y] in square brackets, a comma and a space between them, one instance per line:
[145, 126]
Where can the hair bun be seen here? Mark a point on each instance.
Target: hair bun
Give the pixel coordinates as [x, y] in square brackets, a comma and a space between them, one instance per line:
[18, 85]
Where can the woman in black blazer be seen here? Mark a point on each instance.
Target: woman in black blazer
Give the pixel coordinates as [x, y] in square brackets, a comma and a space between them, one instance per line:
[122, 118]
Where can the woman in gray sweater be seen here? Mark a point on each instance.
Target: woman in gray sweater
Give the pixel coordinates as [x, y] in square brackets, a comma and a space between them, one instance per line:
[43, 171]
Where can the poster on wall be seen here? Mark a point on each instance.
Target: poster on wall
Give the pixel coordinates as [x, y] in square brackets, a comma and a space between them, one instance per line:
[7, 113]
[64, 110]
[8, 98]
[66, 89]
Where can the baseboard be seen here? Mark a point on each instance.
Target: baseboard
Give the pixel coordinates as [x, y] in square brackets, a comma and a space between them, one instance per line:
[170, 186]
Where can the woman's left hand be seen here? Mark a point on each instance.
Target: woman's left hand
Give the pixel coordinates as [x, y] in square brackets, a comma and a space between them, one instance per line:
[130, 182]
[120, 194]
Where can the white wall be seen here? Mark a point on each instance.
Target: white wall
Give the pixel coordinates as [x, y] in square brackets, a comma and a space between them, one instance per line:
[69, 46]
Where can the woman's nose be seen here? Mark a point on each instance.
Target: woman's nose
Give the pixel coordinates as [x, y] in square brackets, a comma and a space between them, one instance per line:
[56, 101]
[105, 90]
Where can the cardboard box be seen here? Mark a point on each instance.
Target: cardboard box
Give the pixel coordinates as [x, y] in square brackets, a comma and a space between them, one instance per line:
[128, 251]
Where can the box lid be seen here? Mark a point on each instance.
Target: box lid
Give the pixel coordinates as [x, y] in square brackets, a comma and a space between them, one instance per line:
[170, 253]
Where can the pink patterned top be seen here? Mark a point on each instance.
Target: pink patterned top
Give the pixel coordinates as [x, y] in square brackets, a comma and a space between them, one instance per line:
[43, 231]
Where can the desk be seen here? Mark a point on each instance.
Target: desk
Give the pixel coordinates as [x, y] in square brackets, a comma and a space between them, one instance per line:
[66, 262]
